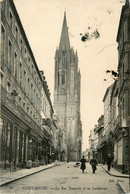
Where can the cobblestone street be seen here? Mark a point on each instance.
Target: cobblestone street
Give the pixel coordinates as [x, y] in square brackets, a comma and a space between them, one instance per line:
[66, 179]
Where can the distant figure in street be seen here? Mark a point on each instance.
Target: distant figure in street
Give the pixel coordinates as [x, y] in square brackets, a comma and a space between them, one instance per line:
[109, 161]
[46, 159]
[93, 163]
[83, 166]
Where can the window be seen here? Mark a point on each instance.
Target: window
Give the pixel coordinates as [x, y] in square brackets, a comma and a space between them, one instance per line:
[15, 64]
[35, 75]
[28, 87]
[3, 40]
[63, 61]
[34, 97]
[24, 80]
[31, 92]
[19, 100]
[37, 100]
[23, 104]
[2, 79]
[9, 53]
[39, 83]
[21, 44]
[20, 74]
[63, 78]
[8, 87]
[45, 106]
[16, 33]
[32, 70]
[25, 55]
[27, 109]
[29, 62]
[10, 19]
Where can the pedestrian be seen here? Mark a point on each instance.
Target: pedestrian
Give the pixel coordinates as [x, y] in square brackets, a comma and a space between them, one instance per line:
[83, 166]
[109, 161]
[93, 163]
[46, 159]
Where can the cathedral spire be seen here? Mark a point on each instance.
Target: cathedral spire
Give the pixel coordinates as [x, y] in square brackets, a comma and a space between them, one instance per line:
[64, 40]
[76, 55]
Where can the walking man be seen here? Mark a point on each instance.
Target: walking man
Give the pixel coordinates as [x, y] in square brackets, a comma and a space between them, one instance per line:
[83, 165]
[93, 163]
[109, 160]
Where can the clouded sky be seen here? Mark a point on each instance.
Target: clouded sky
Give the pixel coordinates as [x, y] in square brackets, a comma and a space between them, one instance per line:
[42, 21]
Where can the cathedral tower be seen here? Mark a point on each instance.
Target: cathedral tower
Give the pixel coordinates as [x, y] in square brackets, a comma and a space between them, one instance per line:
[67, 94]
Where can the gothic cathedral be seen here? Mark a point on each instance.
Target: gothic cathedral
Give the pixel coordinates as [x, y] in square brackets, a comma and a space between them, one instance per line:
[67, 94]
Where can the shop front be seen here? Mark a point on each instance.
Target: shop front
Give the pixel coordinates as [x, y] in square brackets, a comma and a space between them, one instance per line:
[19, 139]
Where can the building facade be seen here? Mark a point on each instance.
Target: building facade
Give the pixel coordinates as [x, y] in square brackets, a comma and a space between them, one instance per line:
[60, 142]
[92, 143]
[67, 94]
[122, 132]
[25, 100]
[101, 147]
[115, 132]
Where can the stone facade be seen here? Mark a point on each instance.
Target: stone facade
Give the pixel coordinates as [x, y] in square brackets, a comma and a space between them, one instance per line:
[67, 94]
[116, 132]
[107, 110]
[25, 98]
[101, 147]
[122, 133]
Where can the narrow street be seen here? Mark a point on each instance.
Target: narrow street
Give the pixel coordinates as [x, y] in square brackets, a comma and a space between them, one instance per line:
[66, 179]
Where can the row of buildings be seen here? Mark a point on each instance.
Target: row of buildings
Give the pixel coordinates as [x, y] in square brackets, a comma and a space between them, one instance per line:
[30, 128]
[111, 135]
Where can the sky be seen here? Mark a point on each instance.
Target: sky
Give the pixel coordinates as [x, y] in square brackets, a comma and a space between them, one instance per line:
[42, 21]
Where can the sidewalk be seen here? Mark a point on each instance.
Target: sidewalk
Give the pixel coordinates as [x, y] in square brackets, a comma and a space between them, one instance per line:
[123, 182]
[8, 177]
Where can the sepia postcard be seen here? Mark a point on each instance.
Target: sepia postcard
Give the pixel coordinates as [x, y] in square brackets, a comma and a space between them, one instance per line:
[65, 96]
